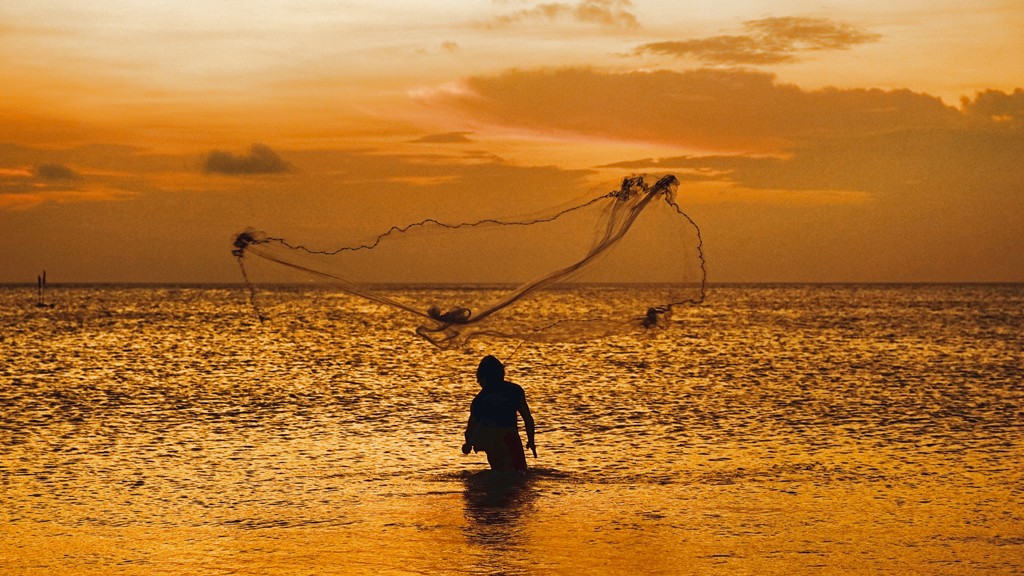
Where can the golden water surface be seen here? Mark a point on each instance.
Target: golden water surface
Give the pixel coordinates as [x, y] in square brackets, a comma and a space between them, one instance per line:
[773, 430]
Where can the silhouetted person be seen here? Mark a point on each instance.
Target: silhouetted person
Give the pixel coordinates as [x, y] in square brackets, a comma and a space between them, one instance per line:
[492, 426]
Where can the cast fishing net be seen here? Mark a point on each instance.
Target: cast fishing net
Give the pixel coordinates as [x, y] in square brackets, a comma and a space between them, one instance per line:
[622, 260]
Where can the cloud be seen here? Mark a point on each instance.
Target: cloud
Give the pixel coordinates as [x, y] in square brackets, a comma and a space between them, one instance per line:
[260, 160]
[808, 33]
[56, 172]
[31, 177]
[737, 110]
[960, 161]
[970, 151]
[898, 184]
[445, 138]
[718, 49]
[605, 13]
[24, 188]
[996, 106]
[768, 41]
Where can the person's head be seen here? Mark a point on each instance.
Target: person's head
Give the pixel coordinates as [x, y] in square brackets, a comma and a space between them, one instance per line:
[490, 371]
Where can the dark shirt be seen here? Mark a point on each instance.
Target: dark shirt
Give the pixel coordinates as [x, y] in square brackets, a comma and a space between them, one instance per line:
[496, 405]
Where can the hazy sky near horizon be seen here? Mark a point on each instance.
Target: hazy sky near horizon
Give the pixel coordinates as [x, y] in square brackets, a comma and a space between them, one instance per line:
[823, 141]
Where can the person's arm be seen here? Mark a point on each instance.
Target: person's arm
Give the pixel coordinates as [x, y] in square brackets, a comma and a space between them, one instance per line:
[470, 426]
[524, 410]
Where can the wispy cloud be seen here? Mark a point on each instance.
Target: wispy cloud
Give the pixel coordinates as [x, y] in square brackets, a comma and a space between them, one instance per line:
[767, 41]
[261, 159]
[445, 138]
[605, 13]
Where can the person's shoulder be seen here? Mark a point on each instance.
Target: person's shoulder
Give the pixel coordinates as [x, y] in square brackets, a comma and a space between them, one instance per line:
[516, 388]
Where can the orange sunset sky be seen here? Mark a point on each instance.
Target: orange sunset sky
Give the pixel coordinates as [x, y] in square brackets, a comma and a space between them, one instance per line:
[823, 141]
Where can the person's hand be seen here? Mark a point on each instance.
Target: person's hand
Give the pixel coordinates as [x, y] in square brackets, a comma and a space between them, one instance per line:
[466, 448]
[533, 447]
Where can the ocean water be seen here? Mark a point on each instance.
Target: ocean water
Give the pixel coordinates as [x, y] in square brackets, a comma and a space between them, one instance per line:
[773, 430]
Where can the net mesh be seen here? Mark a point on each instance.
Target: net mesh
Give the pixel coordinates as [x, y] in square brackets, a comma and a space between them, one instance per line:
[620, 261]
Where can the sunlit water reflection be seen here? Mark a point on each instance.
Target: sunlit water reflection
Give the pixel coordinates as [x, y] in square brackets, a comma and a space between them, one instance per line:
[773, 430]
